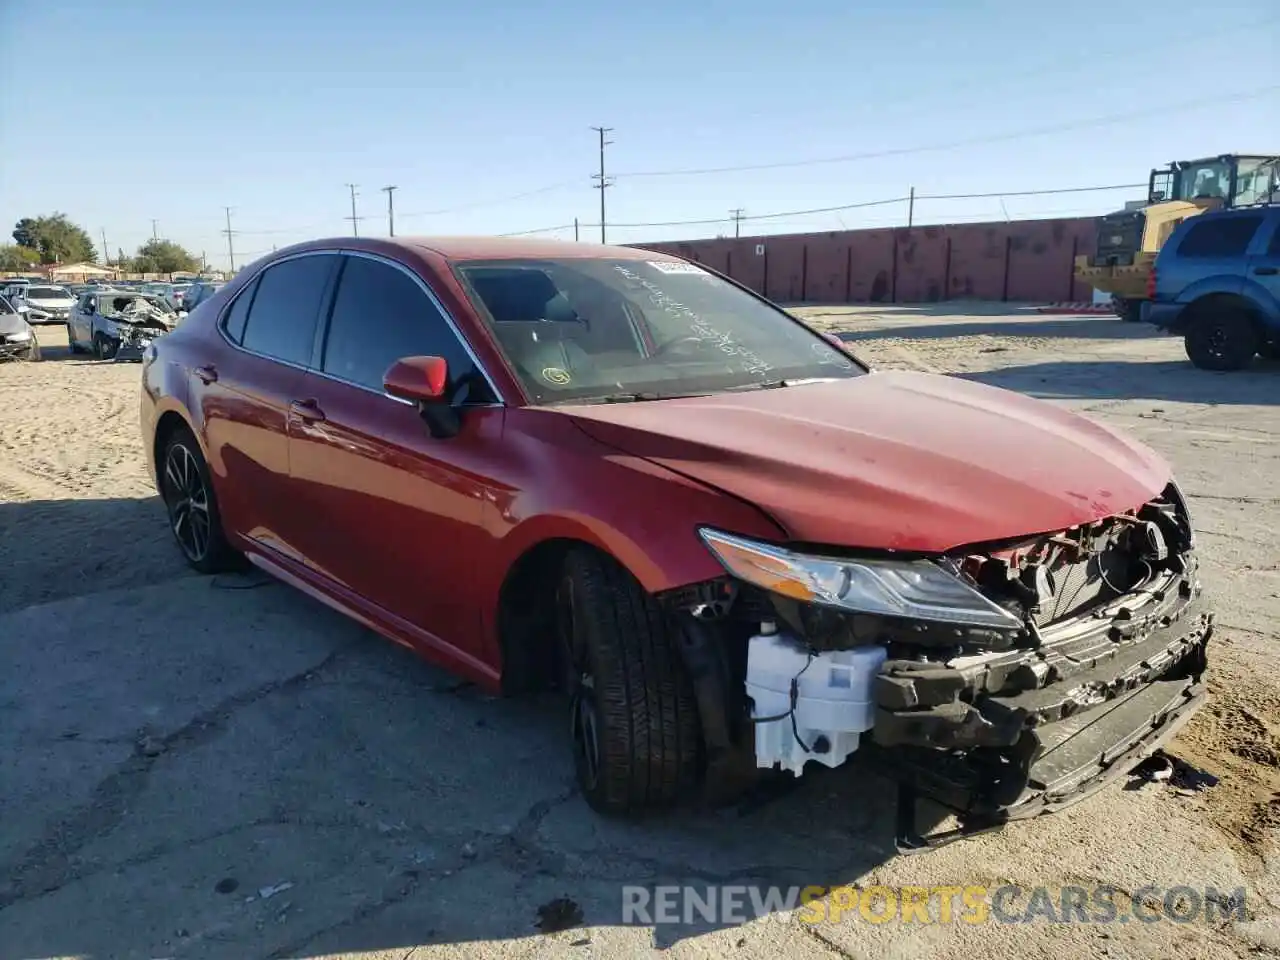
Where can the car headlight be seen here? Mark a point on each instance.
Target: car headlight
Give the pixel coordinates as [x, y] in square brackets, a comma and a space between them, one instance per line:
[915, 589]
[20, 336]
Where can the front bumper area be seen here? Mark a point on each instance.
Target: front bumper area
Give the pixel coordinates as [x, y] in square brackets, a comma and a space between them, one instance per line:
[17, 349]
[1033, 731]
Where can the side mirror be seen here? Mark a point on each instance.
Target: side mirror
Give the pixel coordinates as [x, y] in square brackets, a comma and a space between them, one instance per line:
[419, 379]
[425, 382]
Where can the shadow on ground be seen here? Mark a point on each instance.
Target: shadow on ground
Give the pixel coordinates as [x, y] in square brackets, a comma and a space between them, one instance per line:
[1034, 326]
[223, 767]
[1122, 380]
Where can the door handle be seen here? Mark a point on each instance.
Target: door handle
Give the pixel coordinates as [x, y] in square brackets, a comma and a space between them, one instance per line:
[207, 374]
[306, 410]
[1266, 271]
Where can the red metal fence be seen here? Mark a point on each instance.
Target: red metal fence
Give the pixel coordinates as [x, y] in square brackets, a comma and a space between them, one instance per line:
[1029, 260]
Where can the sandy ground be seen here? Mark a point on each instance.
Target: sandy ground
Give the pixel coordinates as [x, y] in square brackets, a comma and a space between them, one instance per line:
[175, 749]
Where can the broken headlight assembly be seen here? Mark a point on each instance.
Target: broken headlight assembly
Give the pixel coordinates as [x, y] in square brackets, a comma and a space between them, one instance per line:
[910, 589]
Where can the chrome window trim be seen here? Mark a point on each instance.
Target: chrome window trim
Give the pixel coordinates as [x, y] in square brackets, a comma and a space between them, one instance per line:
[220, 323]
[439, 305]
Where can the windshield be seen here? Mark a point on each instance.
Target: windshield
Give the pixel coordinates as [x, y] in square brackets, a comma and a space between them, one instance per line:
[47, 293]
[584, 329]
[1211, 179]
[5, 308]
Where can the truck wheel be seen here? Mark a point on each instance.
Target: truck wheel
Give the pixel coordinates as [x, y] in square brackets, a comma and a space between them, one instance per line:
[1130, 311]
[1222, 339]
[636, 736]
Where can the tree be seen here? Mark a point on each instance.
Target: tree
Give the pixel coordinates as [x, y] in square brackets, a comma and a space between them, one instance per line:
[56, 239]
[163, 256]
[15, 258]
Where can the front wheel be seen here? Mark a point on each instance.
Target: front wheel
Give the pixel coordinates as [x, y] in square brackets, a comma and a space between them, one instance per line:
[633, 719]
[103, 347]
[192, 507]
[33, 353]
[1222, 339]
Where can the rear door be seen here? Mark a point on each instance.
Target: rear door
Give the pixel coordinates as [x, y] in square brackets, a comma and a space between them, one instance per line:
[267, 339]
[1264, 272]
[1212, 251]
[396, 513]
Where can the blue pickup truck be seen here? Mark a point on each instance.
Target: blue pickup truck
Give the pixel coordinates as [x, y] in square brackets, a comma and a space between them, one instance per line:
[1216, 283]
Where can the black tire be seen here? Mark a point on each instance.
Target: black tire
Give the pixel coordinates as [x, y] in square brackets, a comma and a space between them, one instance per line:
[71, 342]
[1222, 338]
[190, 503]
[633, 719]
[33, 354]
[103, 348]
[1130, 311]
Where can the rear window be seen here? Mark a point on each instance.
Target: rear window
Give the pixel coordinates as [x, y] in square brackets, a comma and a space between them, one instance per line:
[1219, 236]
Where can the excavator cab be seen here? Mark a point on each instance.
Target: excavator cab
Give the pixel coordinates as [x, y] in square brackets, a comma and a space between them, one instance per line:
[1128, 240]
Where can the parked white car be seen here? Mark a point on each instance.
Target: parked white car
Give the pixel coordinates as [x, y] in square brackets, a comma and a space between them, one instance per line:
[47, 303]
[118, 324]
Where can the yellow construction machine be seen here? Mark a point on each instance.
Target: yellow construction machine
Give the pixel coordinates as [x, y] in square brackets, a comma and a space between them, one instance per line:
[1128, 240]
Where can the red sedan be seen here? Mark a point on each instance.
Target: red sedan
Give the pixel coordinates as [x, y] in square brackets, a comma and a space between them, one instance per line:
[728, 541]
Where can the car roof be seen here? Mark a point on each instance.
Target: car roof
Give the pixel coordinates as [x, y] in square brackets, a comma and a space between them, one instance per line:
[484, 248]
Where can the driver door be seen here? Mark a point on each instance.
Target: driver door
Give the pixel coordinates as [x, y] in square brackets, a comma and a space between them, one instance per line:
[398, 513]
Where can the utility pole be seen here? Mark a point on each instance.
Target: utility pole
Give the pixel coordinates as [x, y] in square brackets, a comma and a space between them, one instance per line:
[911, 207]
[604, 182]
[737, 213]
[355, 220]
[106, 251]
[154, 232]
[391, 209]
[575, 229]
[204, 262]
[231, 251]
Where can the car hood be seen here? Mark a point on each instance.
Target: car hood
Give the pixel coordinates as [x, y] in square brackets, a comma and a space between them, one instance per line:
[893, 461]
[47, 302]
[12, 323]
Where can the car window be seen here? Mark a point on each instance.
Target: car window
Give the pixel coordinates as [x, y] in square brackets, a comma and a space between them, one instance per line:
[583, 328]
[233, 323]
[381, 314]
[282, 318]
[1219, 236]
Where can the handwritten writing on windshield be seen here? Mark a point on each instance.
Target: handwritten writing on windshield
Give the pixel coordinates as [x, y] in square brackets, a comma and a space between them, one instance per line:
[749, 361]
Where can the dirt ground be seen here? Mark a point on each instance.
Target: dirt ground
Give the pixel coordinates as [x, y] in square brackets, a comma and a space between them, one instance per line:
[194, 767]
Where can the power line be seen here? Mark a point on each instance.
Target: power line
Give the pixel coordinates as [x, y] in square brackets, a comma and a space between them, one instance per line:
[737, 216]
[1161, 110]
[549, 188]
[603, 182]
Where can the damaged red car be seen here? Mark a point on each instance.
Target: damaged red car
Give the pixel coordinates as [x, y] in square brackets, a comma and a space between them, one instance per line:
[726, 539]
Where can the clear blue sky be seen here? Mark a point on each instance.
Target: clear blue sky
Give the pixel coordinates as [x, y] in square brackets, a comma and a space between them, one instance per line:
[118, 113]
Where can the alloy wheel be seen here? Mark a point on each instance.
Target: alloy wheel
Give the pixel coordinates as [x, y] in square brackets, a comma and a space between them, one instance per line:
[187, 497]
[579, 681]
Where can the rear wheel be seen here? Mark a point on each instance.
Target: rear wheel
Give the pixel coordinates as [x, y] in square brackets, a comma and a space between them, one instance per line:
[1128, 310]
[633, 719]
[1222, 338]
[188, 496]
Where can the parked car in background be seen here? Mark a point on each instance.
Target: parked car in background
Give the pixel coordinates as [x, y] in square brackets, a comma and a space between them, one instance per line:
[1216, 282]
[13, 288]
[177, 295]
[17, 338]
[718, 532]
[118, 324]
[199, 292]
[47, 303]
